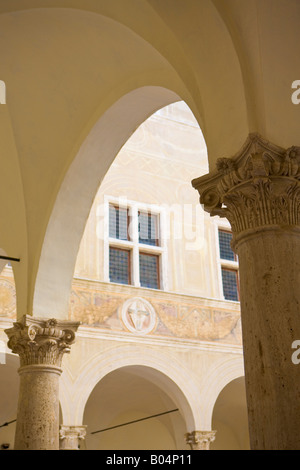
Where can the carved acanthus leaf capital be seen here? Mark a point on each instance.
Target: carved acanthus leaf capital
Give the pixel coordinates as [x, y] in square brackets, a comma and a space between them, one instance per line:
[41, 341]
[258, 187]
[200, 440]
[70, 436]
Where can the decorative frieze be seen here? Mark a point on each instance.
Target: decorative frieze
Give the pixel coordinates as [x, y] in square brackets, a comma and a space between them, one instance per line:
[200, 440]
[41, 341]
[158, 314]
[258, 188]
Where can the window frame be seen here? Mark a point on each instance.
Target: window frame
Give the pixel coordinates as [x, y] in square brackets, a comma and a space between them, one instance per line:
[223, 226]
[133, 244]
[157, 228]
[157, 268]
[129, 263]
[128, 222]
[236, 272]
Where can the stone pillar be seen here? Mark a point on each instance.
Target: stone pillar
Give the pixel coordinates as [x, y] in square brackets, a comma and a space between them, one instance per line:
[40, 344]
[258, 191]
[200, 440]
[69, 436]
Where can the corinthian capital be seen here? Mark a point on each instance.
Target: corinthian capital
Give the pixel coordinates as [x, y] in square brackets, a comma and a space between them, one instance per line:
[41, 341]
[70, 436]
[259, 187]
[200, 440]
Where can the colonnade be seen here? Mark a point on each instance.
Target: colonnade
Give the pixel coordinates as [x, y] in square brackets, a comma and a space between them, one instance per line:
[258, 191]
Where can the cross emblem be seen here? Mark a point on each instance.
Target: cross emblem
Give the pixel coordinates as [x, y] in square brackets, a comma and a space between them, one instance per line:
[138, 316]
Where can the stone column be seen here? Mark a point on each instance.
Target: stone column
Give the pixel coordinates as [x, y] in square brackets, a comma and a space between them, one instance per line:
[69, 436]
[258, 191]
[40, 344]
[200, 440]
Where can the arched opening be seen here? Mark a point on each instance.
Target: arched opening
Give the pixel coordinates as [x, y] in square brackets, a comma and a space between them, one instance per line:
[150, 177]
[230, 418]
[84, 176]
[210, 46]
[129, 409]
[154, 168]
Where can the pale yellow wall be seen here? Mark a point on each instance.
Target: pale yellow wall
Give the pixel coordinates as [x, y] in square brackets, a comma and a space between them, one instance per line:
[152, 433]
[65, 68]
[156, 166]
[195, 348]
[232, 61]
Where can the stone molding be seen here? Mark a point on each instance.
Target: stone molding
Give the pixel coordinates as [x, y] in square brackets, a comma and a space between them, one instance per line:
[40, 341]
[200, 440]
[69, 436]
[258, 188]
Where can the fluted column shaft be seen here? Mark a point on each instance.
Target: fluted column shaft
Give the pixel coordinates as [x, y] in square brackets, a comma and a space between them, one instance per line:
[40, 344]
[258, 191]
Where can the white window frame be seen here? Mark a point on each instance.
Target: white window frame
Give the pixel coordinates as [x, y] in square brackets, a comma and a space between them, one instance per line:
[133, 244]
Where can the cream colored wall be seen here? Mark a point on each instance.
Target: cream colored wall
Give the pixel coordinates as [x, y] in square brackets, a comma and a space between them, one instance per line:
[156, 167]
[154, 433]
[111, 378]
[232, 61]
[65, 68]
[230, 417]
[195, 351]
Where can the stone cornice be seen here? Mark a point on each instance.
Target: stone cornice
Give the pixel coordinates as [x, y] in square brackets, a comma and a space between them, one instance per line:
[41, 341]
[259, 187]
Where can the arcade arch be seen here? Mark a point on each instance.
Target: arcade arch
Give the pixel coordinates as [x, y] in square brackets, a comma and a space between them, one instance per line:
[161, 369]
[230, 418]
[128, 394]
[65, 228]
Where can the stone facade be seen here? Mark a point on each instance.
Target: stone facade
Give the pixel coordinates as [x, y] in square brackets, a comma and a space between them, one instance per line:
[182, 341]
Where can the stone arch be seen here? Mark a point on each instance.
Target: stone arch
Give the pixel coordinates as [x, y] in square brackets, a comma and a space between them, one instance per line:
[230, 417]
[219, 375]
[66, 226]
[168, 374]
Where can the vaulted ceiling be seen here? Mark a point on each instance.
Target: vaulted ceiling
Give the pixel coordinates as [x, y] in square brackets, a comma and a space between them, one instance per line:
[81, 75]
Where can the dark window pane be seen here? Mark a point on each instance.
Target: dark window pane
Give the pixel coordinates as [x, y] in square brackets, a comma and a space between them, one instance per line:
[225, 248]
[230, 284]
[119, 265]
[118, 222]
[149, 271]
[148, 228]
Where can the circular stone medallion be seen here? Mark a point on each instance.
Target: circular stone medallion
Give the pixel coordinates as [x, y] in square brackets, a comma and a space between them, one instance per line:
[138, 316]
